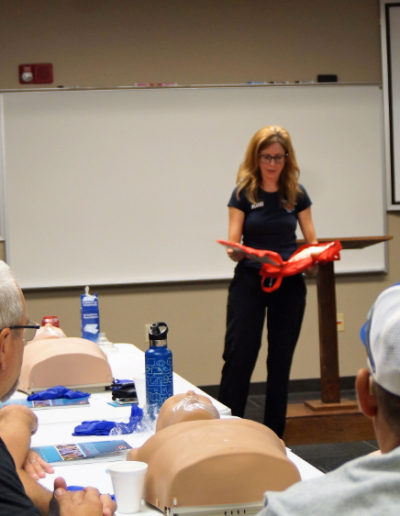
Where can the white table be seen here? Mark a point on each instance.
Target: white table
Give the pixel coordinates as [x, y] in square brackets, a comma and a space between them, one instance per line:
[56, 424]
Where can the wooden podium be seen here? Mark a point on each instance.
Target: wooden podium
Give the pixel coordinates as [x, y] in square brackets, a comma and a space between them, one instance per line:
[329, 419]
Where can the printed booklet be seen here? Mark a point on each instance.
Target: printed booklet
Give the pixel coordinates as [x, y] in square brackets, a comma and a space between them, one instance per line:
[56, 403]
[96, 450]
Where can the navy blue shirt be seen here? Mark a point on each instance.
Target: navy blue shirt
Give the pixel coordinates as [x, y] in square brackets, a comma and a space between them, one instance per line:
[13, 499]
[268, 224]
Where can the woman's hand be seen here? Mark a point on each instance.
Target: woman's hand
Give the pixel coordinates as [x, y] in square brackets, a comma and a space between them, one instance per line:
[35, 466]
[312, 271]
[235, 254]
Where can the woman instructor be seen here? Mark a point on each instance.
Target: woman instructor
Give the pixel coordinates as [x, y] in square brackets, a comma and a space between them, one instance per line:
[263, 212]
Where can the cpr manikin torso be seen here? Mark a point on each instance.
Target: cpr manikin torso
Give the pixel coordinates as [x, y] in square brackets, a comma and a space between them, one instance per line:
[52, 359]
[211, 461]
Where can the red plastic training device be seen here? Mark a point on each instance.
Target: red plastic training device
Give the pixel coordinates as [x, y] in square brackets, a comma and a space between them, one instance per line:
[273, 266]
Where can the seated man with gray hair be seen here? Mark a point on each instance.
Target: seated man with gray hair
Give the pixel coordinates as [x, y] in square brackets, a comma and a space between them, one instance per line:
[368, 485]
[20, 494]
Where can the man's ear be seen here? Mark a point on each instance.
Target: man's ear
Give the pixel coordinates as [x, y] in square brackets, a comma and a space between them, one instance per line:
[5, 338]
[366, 398]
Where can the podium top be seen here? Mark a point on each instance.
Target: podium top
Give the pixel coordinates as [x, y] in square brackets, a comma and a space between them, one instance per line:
[354, 242]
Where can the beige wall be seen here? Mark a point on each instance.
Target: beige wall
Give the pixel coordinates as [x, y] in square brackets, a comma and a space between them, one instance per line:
[103, 43]
[109, 43]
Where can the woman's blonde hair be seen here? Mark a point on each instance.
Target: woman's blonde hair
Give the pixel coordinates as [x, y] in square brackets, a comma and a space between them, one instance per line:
[249, 175]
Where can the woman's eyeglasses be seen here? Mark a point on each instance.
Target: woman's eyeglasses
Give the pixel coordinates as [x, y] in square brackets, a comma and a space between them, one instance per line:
[267, 158]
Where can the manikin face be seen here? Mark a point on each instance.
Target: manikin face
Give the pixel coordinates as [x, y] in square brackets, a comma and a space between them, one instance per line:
[185, 407]
[271, 161]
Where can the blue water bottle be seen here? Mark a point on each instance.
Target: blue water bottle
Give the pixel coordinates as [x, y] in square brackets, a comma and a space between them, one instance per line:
[158, 368]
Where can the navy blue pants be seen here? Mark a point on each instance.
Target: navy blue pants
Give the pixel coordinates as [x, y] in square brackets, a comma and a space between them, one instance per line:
[247, 307]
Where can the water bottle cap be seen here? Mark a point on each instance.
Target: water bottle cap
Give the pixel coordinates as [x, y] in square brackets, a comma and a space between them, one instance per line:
[158, 331]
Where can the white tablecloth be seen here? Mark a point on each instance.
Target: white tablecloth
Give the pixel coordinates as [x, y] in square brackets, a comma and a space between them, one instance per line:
[56, 424]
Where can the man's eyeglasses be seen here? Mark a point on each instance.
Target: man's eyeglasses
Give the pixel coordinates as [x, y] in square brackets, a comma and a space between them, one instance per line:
[278, 158]
[29, 330]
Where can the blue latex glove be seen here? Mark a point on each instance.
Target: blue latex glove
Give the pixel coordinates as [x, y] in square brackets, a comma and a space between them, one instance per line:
[81, 488]
[57, 392]
[94, 428]
[102, 427]
[118, 383]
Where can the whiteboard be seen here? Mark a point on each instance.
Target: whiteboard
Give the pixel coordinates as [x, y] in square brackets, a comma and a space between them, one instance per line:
[390, 32]
[131, 186]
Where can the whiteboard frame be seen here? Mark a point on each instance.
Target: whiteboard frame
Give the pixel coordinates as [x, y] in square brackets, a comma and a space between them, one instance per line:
[362, 265]
[391, 89]
[3, 199]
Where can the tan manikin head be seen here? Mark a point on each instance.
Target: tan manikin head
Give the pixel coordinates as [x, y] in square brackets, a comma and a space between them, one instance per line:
[188, 406]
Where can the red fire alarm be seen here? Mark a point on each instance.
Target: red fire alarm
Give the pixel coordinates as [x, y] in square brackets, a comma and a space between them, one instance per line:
[40, 73]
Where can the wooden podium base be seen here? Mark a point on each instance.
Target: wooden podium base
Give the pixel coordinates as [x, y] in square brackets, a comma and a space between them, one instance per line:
[318, 405]
[327, 424]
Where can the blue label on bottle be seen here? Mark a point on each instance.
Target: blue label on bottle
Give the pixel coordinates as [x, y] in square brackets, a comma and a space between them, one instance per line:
[90, 319]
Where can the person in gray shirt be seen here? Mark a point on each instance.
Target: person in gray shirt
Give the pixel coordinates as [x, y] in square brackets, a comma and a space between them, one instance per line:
[369, 485]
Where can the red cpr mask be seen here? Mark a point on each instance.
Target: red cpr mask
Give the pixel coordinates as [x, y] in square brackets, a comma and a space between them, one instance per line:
[273, 266]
